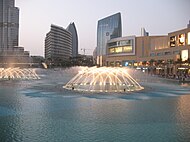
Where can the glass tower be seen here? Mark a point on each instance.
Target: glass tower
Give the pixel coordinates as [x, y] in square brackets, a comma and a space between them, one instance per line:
[71, 28]
[9, 24]
[108, 28]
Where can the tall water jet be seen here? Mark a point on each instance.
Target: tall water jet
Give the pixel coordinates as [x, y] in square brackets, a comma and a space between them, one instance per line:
[103, 79]
[17, 74]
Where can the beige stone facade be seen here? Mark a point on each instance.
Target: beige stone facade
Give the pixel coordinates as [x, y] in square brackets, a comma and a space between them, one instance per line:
[168, 48]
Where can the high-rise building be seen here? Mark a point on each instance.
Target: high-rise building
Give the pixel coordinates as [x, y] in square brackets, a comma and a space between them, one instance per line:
[72, 28]
[9, 24]
[10, 52]
[188, 25]
[108, 28]
[144, 32]
[58, 44]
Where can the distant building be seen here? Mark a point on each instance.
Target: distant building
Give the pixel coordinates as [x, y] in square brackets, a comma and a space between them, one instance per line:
[10, 52]
[108, 28]
[167, 54]
[72, 28]
[188, 25]
[9, 24]
[144, 32]
[58, 44]
[95, 56]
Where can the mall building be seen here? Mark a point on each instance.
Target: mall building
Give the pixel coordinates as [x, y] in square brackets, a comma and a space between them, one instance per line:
[167, 53]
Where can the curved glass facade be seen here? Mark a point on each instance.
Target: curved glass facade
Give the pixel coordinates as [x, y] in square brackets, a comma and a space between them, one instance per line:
[71, 28]
[108, 28]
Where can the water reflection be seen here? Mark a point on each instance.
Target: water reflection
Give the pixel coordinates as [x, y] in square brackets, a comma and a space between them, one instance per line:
[34, 112]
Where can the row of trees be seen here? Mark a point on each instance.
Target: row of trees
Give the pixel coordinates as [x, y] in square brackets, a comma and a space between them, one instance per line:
[77, 61]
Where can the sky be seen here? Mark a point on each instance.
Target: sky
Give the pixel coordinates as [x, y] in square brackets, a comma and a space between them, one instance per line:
[158, 17]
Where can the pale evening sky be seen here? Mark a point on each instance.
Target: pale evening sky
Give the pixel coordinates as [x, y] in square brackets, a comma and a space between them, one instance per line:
[159, 17]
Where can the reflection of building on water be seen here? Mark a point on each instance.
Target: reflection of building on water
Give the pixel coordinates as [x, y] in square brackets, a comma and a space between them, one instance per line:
[103, 79]
[17, 73]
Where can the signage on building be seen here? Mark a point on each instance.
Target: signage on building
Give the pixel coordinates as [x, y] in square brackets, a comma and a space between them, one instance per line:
[172, 41]
[188, 38]
[184, 55]
[181, 39]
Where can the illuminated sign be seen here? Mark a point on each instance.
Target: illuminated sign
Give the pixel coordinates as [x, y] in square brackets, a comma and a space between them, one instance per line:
[188, 38]
[172, 41]
[184, 55]
[118, 49]
[122, 47]
[181, 39]
[126, 64]
[111, 50]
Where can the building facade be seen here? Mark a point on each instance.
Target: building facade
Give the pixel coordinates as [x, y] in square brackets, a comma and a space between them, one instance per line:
[108, 28]
[167, 54]
[9, 24]
[58, 45]
[10, 52]
[72, 28]
[121, 51]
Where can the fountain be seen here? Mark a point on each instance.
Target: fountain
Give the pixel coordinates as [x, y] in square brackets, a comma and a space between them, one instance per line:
[17, 74]
[103, 79]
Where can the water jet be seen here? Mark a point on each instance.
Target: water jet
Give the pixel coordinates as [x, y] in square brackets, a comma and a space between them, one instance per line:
[103, 79]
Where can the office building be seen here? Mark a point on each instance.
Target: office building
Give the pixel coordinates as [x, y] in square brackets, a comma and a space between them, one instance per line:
[108, 28]
[72, 28]
[188, 25]
[58, 45]
[144, 32]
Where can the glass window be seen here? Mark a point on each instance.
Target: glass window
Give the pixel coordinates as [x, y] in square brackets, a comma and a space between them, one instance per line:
[112, 44]
[184, 55]
[126, 42]
[176, 52]
[167, 53]
[159, 54]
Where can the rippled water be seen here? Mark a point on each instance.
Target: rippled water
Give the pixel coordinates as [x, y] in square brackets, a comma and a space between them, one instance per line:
[41, 110]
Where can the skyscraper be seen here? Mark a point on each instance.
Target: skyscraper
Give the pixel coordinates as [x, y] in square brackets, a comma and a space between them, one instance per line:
[9, 24]
[108, 28]
[71, 28]
[58, 44]
[144, 32]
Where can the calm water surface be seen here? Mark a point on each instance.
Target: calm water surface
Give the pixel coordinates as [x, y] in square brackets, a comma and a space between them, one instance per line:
[42, 111]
